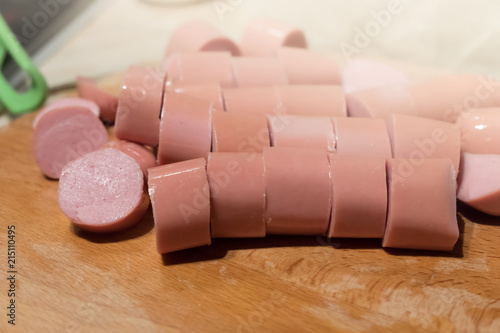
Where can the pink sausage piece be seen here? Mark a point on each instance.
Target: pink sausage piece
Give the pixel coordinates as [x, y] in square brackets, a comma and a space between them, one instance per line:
[144, 157]
[307, 67]
[359, 197]
[62, 135]
[139, 106]
[68, 102]
[480, 131]
[108, 103]
[237, 191]
[263, 37]
[362, 137]
[418, 138]
[236, 132]
[422, 205]
[103, 191]
[258, 72]
[200, 68]
[209, 92]
[298, 191]
[479, 182]
[180, 198]
[362, 74]
[252, 101]
[442, 98]
[199, 36]
[301, 132]
[312, 100]
[185, 128]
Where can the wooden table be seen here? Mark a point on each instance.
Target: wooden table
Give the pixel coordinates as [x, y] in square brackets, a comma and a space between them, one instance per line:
[71, 281]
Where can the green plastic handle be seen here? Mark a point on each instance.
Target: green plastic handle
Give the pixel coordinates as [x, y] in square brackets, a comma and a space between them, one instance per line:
[17, 102]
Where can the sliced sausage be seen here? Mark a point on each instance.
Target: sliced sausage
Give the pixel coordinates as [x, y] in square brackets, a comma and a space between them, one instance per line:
[258, 72]
[65, 103]
[210, 92]
[479, 182]
[252, 101]
[441, 98]
[263, 37]
[422, 205]
[139, 106]
[237, 192]
[64, 134]
[362, 74]
[298, 191]
[480, 131]
[199, 36]
[307, 67]
[185, 128]
[418, 138]
[302, 132]
[108, 103]
[200, 68]
[237, 132]
[359, 197]
[180, 198]
[312, 100]
[103, 191]
[362, 137]
[144, 157]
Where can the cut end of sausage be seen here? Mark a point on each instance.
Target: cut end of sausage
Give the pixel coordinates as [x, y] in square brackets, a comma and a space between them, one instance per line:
[479, 182]
[63, 135]
[108, 103]
[144, 157]
[103, 191]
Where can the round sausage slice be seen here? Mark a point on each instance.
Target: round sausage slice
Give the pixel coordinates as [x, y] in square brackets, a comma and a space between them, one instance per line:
[263, 37]
[199, 36]
[479, 182]
[67, 102]
[144, 157]
[103, 191]
[64, 134]
[108, 103]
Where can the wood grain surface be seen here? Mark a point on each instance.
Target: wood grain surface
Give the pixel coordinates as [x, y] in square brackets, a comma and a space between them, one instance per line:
[71, 281]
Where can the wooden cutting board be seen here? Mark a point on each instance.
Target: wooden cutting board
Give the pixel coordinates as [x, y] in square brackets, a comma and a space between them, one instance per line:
[71, 281]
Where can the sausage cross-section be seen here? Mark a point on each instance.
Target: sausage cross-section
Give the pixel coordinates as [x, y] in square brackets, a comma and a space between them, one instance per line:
[103, 191]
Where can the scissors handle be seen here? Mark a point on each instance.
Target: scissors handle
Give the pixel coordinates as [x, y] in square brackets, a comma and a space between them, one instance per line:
[19, 102]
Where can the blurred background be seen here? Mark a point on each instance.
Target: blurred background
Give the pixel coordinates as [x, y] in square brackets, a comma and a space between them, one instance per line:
[98, 37]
